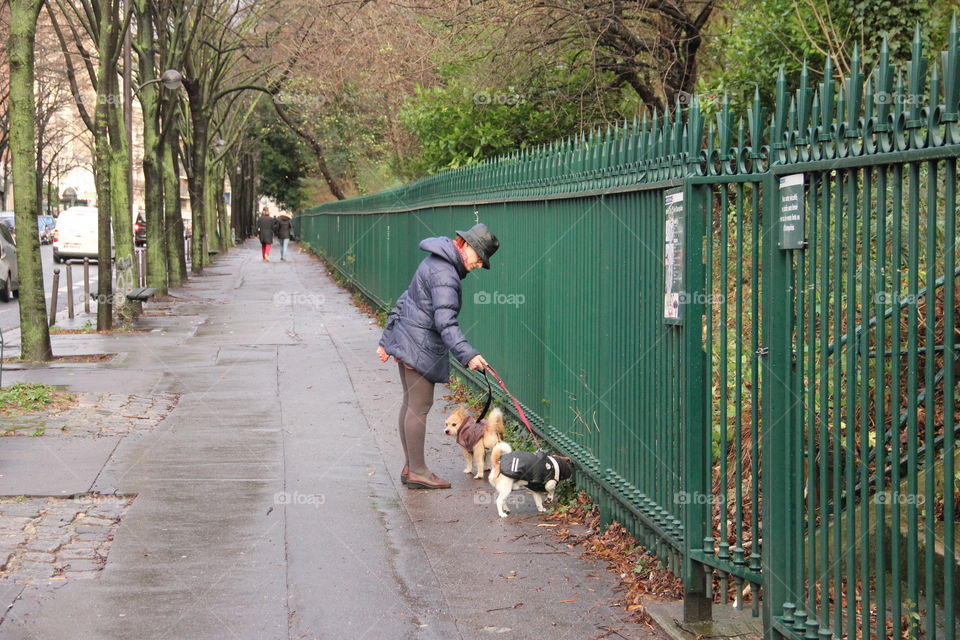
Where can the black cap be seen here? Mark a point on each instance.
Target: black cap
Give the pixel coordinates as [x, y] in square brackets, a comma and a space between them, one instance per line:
[482, 241]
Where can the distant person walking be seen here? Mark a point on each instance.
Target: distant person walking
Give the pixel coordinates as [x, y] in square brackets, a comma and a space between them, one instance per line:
[265, 227]
[282, 227]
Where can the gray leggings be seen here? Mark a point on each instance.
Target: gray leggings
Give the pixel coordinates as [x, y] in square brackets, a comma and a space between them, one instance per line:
[417, 400]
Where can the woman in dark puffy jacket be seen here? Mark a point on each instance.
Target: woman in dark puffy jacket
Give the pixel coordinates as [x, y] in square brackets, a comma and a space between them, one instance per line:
[421, 331]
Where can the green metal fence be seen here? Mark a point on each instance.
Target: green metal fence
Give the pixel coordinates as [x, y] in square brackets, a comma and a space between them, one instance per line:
[744, 331]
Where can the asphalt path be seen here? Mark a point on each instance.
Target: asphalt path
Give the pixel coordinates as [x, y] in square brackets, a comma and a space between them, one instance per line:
[10, 311]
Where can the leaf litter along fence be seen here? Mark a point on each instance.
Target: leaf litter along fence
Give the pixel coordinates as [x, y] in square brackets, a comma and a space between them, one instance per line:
[745, 332]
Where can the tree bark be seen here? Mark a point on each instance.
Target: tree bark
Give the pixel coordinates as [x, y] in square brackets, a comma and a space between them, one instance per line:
[215, 242]
[103, 180]
[197, 176]
[176, 259]
[34, 332]
[127, 275]
[157, 271]
[226, 233]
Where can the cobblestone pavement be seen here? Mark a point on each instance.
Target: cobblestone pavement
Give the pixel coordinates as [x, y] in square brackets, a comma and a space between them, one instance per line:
[52, 539]
[96, 414]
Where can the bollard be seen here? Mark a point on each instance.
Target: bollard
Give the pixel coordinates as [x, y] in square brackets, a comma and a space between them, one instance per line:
[53, 297]
[86, 285]
[70, 291]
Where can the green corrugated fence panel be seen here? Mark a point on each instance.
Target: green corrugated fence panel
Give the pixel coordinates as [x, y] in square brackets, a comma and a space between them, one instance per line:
[829, 381]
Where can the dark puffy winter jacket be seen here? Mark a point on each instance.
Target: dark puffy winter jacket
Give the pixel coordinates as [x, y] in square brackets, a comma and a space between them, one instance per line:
[282, 227]
[422, 327]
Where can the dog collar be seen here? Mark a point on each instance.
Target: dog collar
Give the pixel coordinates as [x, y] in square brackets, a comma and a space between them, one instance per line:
[556, 468]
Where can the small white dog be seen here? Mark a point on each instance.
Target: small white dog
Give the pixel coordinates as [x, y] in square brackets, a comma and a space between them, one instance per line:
[538, 472]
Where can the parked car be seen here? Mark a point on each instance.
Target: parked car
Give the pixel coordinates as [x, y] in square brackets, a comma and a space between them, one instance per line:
[8, 220]
[46, 224]
[9, 277]
[140, 231]
[75, 235]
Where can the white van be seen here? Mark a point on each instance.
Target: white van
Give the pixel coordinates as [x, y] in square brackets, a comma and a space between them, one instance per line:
[75, 235]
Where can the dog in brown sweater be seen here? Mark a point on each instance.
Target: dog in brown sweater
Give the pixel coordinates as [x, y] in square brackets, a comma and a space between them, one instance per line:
[477, 438]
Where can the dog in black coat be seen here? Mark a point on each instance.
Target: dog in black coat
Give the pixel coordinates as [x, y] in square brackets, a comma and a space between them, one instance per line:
[537, 471]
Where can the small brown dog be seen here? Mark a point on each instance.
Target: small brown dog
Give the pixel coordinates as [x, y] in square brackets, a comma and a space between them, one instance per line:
[476, 438]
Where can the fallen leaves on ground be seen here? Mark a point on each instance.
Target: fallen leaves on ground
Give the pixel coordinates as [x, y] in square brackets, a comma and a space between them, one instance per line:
[641, 574]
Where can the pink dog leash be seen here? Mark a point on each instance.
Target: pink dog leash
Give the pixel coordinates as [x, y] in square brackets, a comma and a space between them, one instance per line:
[523, 416]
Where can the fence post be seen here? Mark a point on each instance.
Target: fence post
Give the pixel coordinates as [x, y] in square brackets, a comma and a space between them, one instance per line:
[776, 429]
[86, 285]
[53, 296]
[697, 596]
[69, 290]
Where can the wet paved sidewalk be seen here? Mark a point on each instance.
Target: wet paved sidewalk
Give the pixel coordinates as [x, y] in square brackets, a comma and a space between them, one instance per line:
[266, 503]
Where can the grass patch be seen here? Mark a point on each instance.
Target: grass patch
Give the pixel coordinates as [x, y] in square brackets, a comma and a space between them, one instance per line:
[29, 397]
[86, 327]
[90, 328]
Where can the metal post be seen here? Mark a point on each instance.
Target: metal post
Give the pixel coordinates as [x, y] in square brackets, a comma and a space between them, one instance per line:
[70, 291]
[86, 285]
[53, 296]
[697, 596]
[777, 429]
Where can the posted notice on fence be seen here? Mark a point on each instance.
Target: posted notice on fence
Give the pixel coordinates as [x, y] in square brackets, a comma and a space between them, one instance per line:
[790, 233]
[673, 256]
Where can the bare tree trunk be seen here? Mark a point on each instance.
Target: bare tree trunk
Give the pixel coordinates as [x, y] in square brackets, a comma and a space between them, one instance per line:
[197, 177]
[176, 260]
[127, 275]
[226, 233]
[335, 188]
[157, 254]
[102, 176]
[34, 333]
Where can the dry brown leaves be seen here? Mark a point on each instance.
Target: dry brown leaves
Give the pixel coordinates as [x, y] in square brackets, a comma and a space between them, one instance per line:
[641, 574]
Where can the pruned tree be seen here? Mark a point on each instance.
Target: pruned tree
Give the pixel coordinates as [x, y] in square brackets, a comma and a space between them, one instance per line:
[34, 334]
[159, 42]
[96, 30]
